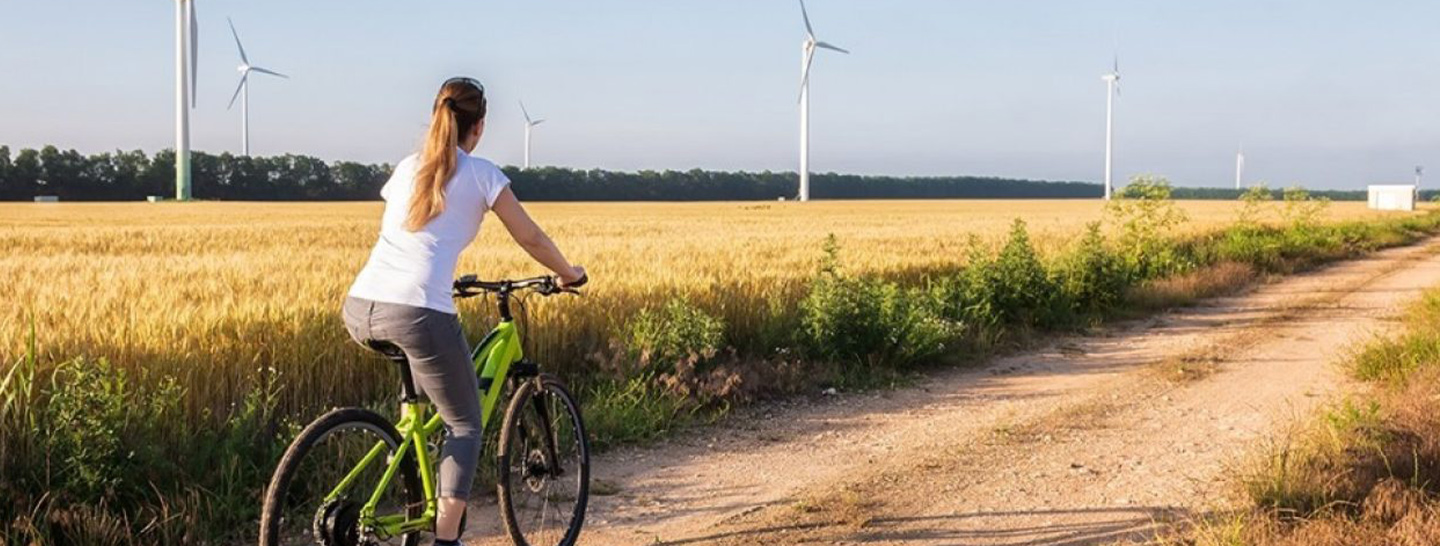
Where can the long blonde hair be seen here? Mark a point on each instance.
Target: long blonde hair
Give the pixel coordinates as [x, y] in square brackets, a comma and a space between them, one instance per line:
[459, 106]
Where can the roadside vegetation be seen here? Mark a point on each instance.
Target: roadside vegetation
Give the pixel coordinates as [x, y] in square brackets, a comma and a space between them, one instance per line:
[1367, 470]
[165, 431]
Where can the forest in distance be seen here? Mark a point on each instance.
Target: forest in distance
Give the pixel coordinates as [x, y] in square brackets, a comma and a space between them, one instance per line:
[134, 175]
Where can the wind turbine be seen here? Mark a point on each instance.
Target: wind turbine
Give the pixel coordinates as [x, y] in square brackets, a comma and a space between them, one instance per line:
[1239, 165]
[807, 56]
[245, 69]
[1112, 86]
[529, 124]
[187, 53]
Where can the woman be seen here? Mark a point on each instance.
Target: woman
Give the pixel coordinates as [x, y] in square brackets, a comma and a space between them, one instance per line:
[434, 203]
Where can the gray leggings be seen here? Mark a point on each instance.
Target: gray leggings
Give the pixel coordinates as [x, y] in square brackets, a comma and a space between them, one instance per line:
[440, 363]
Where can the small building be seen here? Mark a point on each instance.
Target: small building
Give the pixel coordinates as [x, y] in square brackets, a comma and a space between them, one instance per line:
[47, 199]
[1392, 196]
[154, 198]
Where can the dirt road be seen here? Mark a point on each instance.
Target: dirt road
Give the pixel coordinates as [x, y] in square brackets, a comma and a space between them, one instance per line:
[1080, 442]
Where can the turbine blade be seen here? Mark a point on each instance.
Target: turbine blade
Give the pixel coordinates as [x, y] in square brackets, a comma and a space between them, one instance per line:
[536, 122]
[808, 30]
[830, 47]
[243, 79]
[526, 112]
[194, 53]
[243, 58]
[805, 73]
[268, 71]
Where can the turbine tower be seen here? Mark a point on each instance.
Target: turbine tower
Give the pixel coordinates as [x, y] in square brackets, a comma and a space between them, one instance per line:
[187, 52]
[807, 56]
[1112, 90]
[1239, 166]
[242, 91]
[529, 124]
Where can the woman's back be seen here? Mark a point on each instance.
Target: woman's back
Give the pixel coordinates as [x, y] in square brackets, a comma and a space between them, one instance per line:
[417, 267]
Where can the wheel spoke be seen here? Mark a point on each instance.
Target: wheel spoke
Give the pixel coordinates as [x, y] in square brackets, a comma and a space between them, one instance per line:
[544, 498]
[339, 445]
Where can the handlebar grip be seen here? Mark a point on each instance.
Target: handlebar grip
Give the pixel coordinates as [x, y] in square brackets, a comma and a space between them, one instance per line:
[584, 278]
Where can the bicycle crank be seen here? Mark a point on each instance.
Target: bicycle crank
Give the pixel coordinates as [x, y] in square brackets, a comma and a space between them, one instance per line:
[338, 524]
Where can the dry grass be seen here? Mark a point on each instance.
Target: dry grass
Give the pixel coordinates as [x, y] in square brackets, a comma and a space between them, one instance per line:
[1185, 289]
[1367, 472]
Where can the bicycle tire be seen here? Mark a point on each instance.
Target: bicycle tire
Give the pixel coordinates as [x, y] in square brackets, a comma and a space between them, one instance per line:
[507, 487]
[290, 464]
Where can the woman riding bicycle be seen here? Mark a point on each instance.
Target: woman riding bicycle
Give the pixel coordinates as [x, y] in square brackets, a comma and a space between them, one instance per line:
[434, 204]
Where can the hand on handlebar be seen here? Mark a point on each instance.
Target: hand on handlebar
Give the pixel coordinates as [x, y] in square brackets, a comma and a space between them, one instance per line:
[575, 280]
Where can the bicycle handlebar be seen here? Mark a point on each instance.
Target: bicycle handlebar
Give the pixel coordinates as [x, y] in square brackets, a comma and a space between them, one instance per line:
[469, 286]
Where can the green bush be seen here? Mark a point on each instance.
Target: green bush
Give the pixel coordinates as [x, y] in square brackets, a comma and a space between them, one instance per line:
[661, 337]
[865, 319]
[1302, 212]
[1010, 287]
[110, 449]
[1091, 277]
[1252, 209]
[93, 410]
[1146, 218]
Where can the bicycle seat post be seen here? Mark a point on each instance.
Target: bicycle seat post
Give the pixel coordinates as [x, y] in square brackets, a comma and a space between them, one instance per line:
[394, 354]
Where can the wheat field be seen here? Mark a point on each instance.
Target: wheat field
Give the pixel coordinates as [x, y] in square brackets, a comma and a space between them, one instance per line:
[217, 294]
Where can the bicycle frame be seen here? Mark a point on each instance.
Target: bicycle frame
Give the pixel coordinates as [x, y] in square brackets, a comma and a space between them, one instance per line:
[493, 357]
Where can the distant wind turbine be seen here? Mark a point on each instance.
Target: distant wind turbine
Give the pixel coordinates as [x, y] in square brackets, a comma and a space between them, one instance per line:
[187, 54]
[243, 89]
[807, 56]
[1239, 166]
[529, 124]
[1112, 90]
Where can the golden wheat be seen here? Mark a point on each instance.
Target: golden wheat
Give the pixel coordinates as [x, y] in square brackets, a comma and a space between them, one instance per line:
[213, 293]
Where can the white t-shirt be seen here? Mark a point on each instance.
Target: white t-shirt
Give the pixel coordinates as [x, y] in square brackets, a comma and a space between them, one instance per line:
[417, 268]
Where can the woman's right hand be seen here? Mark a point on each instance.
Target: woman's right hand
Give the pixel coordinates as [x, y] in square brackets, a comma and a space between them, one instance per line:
[576, 275]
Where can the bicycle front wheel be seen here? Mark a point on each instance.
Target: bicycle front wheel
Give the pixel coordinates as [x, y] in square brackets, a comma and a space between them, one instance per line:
[544, 463]
[329, 472]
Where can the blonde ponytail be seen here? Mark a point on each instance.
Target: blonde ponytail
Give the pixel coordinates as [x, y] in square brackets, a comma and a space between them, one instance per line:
[459, 106]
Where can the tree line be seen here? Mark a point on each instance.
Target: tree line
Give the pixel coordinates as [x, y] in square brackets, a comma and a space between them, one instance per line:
[133, 175]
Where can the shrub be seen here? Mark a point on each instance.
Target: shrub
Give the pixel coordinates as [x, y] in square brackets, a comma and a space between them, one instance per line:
[674, 332]
[1146, 217]
[1252, 208]
[1301, 212]
[1091, 277]
[866, 319]
[103, 429]
[1012, 287]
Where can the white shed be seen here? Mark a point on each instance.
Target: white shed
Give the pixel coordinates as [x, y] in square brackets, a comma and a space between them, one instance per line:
[1392, 196]
[47, 199]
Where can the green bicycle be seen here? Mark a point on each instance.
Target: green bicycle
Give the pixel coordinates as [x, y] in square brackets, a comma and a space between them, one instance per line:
[354, 478]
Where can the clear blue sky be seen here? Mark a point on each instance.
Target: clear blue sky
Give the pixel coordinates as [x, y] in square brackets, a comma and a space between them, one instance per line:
[1326, 93]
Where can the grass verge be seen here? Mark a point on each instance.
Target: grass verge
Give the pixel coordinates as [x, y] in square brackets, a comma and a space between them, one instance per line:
[1367, 471]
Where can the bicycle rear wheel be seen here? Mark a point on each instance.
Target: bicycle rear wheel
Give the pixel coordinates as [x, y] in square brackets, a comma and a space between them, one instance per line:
[295, 510]
[544, 463]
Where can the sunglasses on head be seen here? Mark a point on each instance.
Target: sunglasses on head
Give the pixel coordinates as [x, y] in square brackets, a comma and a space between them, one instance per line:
[468, 81]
